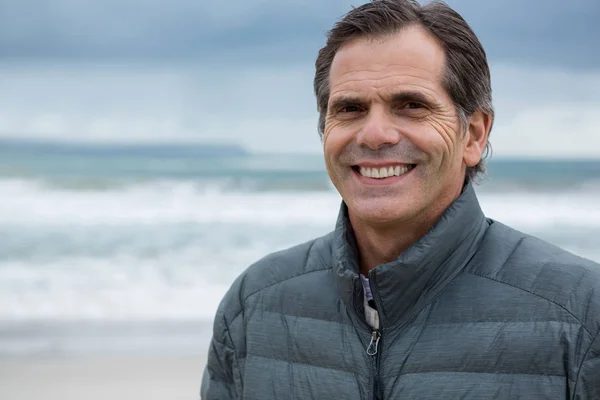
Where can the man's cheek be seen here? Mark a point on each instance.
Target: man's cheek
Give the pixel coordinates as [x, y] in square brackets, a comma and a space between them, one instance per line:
[326, 134]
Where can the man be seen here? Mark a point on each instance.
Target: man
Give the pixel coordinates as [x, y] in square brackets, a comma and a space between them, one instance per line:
[415, 295]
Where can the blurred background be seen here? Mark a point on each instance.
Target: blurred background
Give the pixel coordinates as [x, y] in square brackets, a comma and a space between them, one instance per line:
[150, 151]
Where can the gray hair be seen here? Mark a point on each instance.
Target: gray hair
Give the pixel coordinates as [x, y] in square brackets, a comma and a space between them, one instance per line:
[467, 76]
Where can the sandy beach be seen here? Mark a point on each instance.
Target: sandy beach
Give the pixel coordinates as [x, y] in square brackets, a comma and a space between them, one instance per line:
[101, 377]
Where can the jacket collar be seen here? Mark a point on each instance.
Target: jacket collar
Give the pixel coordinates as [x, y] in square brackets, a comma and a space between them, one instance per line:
[403, 287]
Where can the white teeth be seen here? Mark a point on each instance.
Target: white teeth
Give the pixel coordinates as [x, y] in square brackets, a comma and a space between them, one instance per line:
[381, 173]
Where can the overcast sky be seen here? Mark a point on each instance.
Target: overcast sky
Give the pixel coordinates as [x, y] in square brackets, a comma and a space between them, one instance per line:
[242, 70]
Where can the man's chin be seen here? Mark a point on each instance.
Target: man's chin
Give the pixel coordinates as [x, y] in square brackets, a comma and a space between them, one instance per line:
[384, 213]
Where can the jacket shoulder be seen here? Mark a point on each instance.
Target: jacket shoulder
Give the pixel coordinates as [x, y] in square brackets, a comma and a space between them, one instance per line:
[522, 261]
[274, 268]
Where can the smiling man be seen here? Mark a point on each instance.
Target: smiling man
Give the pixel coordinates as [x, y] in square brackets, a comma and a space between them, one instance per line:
[415, 294]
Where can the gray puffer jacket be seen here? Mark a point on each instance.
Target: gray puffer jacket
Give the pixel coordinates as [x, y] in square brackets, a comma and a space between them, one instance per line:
[473, 310]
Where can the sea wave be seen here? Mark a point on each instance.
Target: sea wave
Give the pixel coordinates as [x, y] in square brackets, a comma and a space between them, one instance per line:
[32, 203]
[169, 249]
[106, 289]
[25, 202]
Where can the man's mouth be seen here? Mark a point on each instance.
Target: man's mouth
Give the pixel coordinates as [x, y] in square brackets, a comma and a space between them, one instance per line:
[384, 172]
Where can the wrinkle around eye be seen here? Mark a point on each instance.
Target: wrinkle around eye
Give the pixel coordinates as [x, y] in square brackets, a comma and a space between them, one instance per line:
[419, 112]
[346, 112]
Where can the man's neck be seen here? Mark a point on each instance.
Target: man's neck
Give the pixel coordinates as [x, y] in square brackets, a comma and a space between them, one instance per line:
[381, 244]
[378, 245]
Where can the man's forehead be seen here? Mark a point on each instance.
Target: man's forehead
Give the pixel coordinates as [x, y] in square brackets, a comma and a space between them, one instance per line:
[411, 53]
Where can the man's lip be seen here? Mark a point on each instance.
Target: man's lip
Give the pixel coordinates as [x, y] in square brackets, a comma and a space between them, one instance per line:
[381, 164]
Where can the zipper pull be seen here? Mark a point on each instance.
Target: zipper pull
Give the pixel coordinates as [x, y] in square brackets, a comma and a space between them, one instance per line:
[372, 349]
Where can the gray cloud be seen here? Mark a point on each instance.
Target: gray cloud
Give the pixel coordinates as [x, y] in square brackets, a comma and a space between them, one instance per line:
[548, 32]
[132, 30]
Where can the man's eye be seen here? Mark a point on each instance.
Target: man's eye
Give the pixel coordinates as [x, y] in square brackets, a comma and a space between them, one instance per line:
[413, 105]
[349, 109]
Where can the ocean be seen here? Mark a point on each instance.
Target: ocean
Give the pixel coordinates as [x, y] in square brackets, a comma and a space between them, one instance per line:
[131, 251]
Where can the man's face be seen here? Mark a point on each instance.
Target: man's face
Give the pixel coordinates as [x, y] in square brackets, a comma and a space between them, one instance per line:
[393, 144]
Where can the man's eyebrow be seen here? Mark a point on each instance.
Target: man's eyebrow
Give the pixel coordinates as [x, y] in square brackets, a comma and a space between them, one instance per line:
[410, 96]
[398, 97]
[346, 101]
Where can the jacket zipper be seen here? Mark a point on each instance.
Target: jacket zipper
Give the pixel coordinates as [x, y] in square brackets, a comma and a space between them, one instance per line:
[373, 351]
[374, 343]
[375, 346]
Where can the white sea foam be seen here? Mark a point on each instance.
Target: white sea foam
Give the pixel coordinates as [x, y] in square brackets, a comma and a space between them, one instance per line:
[544, 210]
[106, 289]
[170, 249]
[33, 203]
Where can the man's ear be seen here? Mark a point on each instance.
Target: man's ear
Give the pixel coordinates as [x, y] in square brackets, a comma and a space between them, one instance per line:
[478, 129]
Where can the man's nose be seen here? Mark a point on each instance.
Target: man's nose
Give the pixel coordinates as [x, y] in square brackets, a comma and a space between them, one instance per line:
[377, 131]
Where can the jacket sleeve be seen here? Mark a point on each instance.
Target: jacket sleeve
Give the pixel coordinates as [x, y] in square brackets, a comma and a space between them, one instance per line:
[588, 380]
[221, 379]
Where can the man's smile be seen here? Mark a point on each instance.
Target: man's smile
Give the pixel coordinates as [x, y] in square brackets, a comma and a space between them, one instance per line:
[381, 174]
